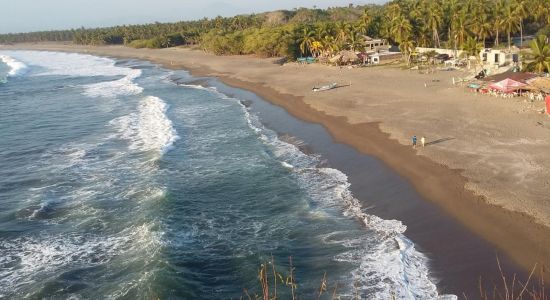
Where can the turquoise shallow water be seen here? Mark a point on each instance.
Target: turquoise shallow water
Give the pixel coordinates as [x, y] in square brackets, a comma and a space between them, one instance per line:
[120, 179]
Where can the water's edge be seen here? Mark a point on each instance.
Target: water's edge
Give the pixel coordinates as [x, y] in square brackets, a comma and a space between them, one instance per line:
[379, 189]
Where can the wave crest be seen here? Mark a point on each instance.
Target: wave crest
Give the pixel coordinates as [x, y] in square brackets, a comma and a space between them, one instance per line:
[17, 68]
[77, 65]
[149, 129]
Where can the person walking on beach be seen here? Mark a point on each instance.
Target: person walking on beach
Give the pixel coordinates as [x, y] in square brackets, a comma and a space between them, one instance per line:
[414, 141]
[423, 141]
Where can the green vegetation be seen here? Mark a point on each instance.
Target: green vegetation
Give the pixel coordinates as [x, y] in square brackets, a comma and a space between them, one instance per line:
[454, 24]
[540, 55]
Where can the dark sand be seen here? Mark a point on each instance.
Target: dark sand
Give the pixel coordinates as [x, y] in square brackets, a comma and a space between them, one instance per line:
[458, 257]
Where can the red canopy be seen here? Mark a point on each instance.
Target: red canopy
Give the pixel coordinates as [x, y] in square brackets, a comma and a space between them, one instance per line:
[507, 85]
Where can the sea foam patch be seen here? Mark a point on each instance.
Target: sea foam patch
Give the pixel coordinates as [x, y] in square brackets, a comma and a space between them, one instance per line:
[26, 261]
[148, 129]
[81, 65]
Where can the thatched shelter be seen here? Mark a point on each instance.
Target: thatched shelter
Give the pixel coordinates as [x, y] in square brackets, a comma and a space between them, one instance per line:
[335, 58]
[540, 83]
[348, 56]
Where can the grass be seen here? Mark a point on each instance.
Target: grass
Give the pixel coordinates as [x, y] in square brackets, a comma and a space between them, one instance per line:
[276, 285]
[512, 288]
[272, 282]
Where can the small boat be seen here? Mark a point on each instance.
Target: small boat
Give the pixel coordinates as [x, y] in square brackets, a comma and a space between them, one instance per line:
[325, 87]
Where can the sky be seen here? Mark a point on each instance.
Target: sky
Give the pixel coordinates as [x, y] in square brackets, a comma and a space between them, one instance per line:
[36, 15]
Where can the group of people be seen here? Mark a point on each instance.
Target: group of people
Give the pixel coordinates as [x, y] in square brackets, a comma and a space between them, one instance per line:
[502, 94]
[535, 96]
[532, 96]
[422, 141]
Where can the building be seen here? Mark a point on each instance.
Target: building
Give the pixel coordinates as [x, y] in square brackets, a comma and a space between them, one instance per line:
[383, 57]
[378, 51]
[494, 59]
[375, 45]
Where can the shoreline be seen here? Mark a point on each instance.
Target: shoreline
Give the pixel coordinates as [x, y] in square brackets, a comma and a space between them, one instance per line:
[517, 234]
[471, 210]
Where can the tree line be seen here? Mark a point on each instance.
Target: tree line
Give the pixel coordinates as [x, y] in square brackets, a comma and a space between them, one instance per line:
[453, 24]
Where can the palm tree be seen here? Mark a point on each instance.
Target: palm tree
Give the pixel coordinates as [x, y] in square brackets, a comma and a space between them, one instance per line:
[393, 10]
[355, 41]
[452, 10]
[407, 47]
[541, 9]
[482, 26]
[305, 40]
[435, 16]
[322, 30]
[510, 22]
[498, 19]
[343, 30]
[540, 49]
[462, 27]
[401, 28]
[521, 13]
[472, 47]
[330, 45]
[365, 20]
[316, 48]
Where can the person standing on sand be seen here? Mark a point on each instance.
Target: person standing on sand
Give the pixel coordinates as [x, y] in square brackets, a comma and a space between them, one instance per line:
[414, 141]
[423, 141]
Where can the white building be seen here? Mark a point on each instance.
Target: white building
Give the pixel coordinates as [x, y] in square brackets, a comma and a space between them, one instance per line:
[494, 59]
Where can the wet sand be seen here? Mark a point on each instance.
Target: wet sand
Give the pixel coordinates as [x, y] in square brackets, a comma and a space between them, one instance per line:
[458, 258]
[488, 168]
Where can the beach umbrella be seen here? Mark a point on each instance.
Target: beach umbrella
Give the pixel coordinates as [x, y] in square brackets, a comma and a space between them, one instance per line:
[507, 85]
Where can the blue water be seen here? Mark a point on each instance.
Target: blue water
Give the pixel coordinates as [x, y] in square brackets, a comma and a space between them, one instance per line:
[117, 182]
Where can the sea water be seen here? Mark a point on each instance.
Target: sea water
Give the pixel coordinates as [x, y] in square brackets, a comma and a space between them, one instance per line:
[118, 181]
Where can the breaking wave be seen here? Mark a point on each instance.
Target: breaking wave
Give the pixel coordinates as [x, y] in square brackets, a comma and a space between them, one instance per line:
[80, 65]
[17, 68]
[148, 129]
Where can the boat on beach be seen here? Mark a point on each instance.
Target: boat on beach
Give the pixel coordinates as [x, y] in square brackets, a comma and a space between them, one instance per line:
[325, 87]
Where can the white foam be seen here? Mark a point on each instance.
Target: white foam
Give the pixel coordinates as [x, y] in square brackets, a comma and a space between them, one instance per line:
[198, 87]
[122, 87]
[17, 68]
[27, 260]
[149, 129]
[83, 65]
[389, 265]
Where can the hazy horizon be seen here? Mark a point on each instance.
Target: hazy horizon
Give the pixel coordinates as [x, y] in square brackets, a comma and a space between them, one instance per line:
[30, 15]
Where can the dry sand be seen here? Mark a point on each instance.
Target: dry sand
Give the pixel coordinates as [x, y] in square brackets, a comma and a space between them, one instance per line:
[487, 160]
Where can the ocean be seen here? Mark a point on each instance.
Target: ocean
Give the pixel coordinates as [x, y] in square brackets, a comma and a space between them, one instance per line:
[120, 179]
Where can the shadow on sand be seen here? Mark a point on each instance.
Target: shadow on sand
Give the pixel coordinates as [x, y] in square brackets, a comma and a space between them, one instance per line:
[439, 141]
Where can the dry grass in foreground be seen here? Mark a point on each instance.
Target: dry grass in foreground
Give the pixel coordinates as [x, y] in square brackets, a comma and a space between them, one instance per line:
[512, 288]
[276, 285]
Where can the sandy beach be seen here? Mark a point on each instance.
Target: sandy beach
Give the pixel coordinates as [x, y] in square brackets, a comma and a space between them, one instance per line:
[487, 160]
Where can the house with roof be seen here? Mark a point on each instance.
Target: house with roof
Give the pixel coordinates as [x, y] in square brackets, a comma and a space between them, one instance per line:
[378, 51]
